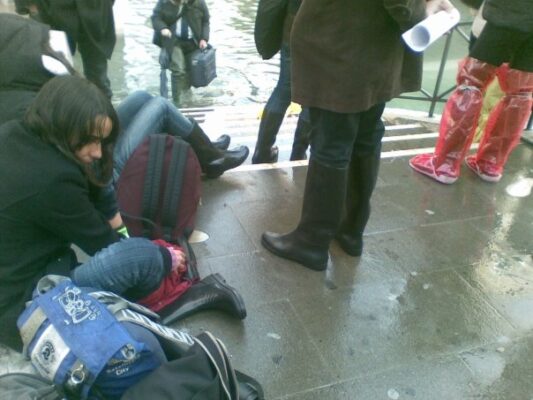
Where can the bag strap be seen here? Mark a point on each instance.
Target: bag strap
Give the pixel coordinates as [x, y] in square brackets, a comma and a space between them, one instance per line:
[218, 355]
[173, 188]
[152, 180]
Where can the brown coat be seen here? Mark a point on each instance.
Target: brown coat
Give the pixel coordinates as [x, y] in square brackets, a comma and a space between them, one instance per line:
[348, 55]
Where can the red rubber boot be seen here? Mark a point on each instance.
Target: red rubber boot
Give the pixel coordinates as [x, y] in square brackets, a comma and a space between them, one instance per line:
[505, 125]
[458, 123]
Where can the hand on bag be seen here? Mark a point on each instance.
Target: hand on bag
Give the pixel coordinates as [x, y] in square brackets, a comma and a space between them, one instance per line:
[179, 260]
[166, 32]
[164, 59]
[202, 44]
[434, 6]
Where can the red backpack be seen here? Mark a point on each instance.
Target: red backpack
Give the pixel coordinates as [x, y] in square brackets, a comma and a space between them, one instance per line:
[159, 189]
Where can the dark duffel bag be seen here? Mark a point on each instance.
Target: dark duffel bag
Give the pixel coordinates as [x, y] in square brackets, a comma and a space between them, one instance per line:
[159, 189]
[202, 66]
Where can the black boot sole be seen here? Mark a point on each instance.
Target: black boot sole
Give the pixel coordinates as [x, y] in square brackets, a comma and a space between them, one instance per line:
[313, 266]
[217, 167]
[349, 247]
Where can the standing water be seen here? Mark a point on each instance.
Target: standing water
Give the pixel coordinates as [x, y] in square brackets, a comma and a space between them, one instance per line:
[243, 77]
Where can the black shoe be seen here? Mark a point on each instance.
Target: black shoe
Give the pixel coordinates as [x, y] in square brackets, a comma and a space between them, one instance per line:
[268, 158]
[230, 159]
[222, 143]
[351, 245]
[211, 293]
[290, 247]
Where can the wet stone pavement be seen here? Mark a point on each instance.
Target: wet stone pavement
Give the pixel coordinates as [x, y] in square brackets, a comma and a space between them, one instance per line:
[439, 307]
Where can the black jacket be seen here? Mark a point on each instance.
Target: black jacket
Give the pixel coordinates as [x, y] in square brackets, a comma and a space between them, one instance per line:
[91, 21]
[45, 206]
[165, 15]
[511, 14]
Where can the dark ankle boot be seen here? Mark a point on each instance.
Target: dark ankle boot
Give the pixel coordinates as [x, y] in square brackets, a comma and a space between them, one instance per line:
[265, 151]
[212, 160]
[301, 140]
[362, 178]
[308, 244]
[221, 143]
[211, 293]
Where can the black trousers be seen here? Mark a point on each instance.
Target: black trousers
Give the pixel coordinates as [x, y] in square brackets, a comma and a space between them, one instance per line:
[496, 45]
[95, 66]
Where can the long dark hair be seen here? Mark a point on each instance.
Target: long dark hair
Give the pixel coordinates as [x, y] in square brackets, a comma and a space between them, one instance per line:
[67, 112]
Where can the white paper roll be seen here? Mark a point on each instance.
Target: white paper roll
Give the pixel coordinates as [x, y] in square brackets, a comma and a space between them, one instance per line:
[420, 36]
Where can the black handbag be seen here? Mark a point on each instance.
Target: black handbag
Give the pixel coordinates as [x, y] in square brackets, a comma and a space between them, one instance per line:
[202, 66]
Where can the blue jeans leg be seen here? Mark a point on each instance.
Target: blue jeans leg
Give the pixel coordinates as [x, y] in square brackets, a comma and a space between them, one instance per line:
[280, 99]
[144, 115]
[132, 266]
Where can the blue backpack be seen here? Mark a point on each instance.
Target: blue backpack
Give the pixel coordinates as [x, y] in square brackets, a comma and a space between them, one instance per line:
[97, 345]
[91, 344]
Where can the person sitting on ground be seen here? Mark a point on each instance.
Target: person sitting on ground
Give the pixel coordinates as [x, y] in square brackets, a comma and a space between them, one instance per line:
[52, 196]
[180, 27]
[23, 73]
[54, 166]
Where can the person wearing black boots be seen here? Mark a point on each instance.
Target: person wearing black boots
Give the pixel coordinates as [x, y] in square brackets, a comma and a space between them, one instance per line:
[277, 104]
[348, 59]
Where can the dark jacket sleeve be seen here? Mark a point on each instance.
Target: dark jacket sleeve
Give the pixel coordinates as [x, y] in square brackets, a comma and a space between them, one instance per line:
[65, 209]
[205, 21]
[407, 13]
[157, 20]
[104, 199]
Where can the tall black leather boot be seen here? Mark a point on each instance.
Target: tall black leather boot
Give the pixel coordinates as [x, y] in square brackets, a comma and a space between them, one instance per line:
[211, 293]
[322, 205]
[301, 140]
[265, 151]
[362, 178]
[213, 160]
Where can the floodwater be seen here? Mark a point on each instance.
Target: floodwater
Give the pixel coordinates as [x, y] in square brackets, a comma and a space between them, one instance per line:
[243, 77]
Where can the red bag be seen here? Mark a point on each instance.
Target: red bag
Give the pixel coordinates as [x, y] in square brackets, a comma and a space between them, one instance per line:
[159, 189]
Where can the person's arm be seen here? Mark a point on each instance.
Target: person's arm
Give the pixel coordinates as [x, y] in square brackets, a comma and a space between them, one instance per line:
[157, 22]
[65, 209]
[205, 22]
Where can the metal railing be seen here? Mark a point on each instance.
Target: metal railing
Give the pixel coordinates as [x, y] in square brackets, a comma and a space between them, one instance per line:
[436, 96]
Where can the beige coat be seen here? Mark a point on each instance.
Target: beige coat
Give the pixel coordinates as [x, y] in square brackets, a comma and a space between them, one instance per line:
[348, 55]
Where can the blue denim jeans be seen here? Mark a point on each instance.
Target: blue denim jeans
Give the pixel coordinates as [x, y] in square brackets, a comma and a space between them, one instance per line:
[140, 115]
[336, 137]
[280, 99]
[133, 267]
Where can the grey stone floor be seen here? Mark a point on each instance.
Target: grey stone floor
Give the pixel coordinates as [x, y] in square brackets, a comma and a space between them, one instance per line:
[440, 305]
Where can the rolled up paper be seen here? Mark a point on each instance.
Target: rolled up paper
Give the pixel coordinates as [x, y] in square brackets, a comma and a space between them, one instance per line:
[423, 34]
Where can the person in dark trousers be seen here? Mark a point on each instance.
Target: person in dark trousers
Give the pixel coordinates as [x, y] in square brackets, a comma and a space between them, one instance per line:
[90, 27]
[503, 49]
[348, 59]
[277, 104]
[180, 26]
